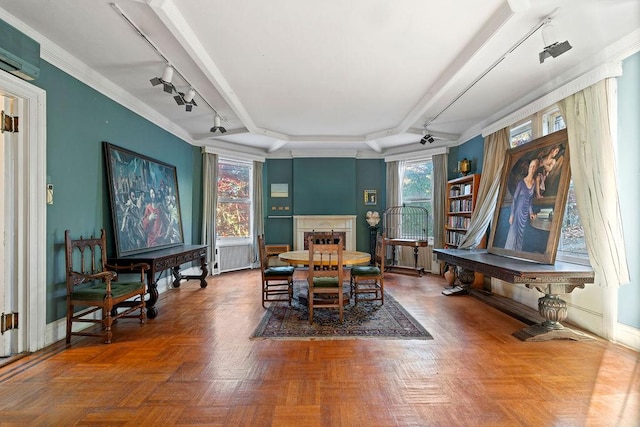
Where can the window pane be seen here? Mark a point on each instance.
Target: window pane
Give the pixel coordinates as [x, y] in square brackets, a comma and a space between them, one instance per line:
[234, 200]
[521, 134]
[233, 219]
[572, 242]
[552, 121]
[416, 183]
[233, 181]
[417, 188]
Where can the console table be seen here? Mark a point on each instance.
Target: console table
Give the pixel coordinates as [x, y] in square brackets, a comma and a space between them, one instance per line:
[551, 280]
[165, 259]
[412, 243]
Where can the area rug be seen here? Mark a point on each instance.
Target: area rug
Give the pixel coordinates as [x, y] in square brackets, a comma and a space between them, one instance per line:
[365, 320]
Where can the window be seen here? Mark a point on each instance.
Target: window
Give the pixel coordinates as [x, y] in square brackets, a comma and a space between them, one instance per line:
[417, 187]
[233, 217]
[572, 246]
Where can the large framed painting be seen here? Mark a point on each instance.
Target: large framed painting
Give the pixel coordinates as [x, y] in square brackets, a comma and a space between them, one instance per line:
[145, 202]
[533, 194]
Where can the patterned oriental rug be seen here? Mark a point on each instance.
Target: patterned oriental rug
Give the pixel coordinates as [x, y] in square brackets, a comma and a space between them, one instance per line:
[366, 320]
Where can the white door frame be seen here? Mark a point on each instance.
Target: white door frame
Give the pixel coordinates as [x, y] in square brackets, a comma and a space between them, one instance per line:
[25, 198]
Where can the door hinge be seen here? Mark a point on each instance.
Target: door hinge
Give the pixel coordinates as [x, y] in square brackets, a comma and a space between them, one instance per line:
[8, 123]
[8, 321]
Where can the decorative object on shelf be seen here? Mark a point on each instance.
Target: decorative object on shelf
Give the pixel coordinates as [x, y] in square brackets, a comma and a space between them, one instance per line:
[370, 197]
[533, 193]
[464, 166]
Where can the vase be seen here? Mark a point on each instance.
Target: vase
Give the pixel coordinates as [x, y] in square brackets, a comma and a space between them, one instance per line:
[450, 275]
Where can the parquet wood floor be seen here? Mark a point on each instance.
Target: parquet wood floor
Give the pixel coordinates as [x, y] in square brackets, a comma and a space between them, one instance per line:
[195, 365]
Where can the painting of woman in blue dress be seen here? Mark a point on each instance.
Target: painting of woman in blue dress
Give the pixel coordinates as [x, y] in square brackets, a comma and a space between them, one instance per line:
[521, 208]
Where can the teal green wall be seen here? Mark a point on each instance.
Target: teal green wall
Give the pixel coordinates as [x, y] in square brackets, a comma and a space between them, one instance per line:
[321, 186]
[324, 186]
[629, 176]
[278, 224]
[472, 150]
[79, 119]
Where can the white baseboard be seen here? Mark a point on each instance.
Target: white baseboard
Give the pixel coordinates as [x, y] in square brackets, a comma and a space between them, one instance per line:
[628, 336]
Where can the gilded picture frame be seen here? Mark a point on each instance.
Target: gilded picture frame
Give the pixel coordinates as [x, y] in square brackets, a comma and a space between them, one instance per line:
[534, 188]
[370, 197]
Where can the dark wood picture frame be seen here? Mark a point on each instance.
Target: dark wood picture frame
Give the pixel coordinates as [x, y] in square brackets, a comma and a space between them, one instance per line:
[145, 202]
[535, 236]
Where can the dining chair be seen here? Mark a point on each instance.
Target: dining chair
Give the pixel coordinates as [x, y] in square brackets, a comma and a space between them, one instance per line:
[93, 284]
[368, 280]
[277, 281]
[326, 276]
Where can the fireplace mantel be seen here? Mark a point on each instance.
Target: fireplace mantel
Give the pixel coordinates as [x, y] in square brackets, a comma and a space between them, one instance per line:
[308, 223]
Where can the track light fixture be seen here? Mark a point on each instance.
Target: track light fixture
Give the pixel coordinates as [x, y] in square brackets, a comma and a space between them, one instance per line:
[427, 138]
[186, 99]
[552, 47]
[165, 80]
[216, 125]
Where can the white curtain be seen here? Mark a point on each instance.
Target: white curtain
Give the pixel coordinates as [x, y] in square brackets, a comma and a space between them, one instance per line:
[209, 203]
[593, 169]
[439, 197]
[495, 147]
[394, 174]
[258, 210]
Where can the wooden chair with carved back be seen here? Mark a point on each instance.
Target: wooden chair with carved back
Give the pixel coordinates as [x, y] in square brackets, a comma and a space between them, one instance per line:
[93, 285]
[368, 280]
[326, 275]
[277, 281]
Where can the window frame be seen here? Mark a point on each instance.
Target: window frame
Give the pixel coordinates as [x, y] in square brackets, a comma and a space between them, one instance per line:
[222, 241]
[537, 131]
[430, 219]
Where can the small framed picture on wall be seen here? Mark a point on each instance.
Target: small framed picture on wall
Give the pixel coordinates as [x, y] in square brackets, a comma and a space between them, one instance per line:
[370, 197]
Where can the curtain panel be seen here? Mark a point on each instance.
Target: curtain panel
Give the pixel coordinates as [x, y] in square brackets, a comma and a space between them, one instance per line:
[258, 210]
[495, 148]
[209, 204]
[587, 114]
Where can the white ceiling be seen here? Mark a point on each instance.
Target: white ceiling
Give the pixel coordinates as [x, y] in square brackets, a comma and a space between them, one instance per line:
[357, 77]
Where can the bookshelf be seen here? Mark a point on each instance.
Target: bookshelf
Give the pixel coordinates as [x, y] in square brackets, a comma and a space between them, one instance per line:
[461, 201]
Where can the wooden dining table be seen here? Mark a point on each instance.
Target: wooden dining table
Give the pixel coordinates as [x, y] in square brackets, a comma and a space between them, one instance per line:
[302, 257]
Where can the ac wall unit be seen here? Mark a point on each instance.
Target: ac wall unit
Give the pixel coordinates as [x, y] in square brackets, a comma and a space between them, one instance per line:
[19, 53]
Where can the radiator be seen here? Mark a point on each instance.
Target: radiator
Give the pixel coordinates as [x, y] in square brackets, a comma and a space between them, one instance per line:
[232, 258]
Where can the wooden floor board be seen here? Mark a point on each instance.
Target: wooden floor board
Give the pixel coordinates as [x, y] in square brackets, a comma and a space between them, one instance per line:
[195, 365]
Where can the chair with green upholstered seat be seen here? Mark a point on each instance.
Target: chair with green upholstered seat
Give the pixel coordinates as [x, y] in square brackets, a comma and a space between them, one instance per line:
[92, 284]
[277, 281]
[325, 277]
[368, 280]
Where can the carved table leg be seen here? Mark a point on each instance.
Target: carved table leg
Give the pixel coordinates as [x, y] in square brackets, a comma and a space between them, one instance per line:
[205, 273]
[554, 310]
[415, 262]
[177, 276]
[152, 312]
